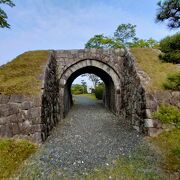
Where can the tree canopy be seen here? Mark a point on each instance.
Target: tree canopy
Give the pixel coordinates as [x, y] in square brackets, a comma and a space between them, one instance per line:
[169, 10]
[125, 32]
[3, 15]
[124, 36]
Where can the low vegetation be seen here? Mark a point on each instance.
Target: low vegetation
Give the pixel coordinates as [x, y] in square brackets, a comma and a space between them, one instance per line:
[168, 144]
[141, 164]
[172, 82]
[99, 91]
[148, 60]
[168, 114]
[12, 155]
[78, 89]
[21, 76]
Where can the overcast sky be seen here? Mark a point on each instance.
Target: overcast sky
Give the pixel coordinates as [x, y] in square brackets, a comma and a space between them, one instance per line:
[68, 24]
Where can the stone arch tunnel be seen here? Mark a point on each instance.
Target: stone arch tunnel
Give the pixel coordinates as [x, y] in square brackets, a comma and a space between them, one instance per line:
[34, 117]
[105, 72]
[124, 93]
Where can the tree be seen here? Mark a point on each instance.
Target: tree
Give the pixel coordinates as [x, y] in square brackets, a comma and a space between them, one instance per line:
[3, 15]
[92, 77]
[170, 46]
[84, 84]
[102, 42]
[124, 36]
[99, 90]
[125, 32]
[143, 43]
[169, 10]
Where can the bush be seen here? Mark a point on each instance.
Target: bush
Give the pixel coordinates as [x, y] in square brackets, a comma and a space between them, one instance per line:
[168, 114]
[99, 91]
[77, 89]
[171, 57]
[173, 82]
[170, 46]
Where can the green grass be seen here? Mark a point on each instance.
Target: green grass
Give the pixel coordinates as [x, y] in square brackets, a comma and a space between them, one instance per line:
[91, 96]
[21, 75]
[168, 144]
[148, 60]
[12, 155]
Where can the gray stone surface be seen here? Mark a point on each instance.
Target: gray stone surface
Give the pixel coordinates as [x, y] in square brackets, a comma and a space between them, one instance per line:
[20, 117]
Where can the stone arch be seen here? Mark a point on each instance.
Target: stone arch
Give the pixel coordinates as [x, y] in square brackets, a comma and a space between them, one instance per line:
[109, 76]
[91, 63]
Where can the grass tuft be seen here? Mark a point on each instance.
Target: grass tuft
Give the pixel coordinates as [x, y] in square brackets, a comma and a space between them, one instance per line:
[168, 144]
[12, 155]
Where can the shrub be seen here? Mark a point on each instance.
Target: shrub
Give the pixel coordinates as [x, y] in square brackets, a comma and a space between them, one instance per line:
[170, 46]
[77, 89]
[99, 91]
[168, 114]
[173, 82]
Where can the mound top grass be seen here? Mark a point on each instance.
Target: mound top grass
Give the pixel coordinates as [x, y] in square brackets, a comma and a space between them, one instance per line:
[148, 60]
[21, 76]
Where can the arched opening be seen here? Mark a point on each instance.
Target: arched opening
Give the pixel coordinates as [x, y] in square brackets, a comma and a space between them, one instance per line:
[107, 75]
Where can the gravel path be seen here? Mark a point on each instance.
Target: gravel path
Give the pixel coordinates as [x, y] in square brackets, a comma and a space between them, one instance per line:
[89, 137]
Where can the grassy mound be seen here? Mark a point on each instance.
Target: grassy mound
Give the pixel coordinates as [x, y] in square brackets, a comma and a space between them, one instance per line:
[20, 76]
[12, 155]
[148, 60]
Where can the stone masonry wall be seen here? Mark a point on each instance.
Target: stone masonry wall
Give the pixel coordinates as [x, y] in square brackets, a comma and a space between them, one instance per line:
[20, 116]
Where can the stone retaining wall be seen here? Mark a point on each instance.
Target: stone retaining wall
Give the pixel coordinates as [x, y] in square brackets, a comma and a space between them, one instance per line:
[20, 116]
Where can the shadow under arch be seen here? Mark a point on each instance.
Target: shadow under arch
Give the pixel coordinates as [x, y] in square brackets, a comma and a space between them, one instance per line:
[104, 71]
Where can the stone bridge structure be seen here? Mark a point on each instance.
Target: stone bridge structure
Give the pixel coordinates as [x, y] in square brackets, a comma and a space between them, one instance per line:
[34, 117]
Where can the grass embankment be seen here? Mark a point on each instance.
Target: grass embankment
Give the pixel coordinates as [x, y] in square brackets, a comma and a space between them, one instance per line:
[168, 145]
[12, 155]
[148, 60]
[20, 76]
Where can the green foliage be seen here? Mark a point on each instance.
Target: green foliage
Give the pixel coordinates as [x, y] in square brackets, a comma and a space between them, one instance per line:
[169, 10]
[92, 77]
[12, 154]
[173, 82]
[170, 46]
[3, 15]
[123, 36]
[143, 43]
[102, 42]
[168, 114]
[99, 91]
[125, 32]
[84, 85]
[77, 89]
